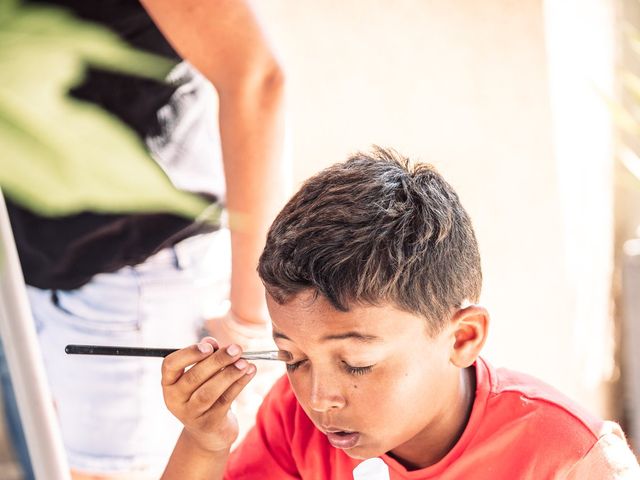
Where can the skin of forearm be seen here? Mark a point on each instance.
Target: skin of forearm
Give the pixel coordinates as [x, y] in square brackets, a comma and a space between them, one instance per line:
[225, 41]
[252, 131]
[188, 460]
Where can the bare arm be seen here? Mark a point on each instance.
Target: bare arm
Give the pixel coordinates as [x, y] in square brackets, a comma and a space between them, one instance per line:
[189, 461]
[200, 397]
[223, 39]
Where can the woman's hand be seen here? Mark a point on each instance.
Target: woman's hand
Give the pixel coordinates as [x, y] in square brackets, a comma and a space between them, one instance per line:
[200, 397]
[228, 328]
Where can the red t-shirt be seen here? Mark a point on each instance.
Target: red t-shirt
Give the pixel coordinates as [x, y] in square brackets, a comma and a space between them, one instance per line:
[519, 428]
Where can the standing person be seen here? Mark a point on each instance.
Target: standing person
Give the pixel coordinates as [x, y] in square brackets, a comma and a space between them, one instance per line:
[137, 279]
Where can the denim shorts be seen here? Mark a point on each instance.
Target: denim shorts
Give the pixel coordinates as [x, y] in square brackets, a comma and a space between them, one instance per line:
[111, 411]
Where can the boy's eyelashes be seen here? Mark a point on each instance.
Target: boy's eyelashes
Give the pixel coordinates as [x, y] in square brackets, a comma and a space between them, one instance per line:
[291, 367]
[357, 370]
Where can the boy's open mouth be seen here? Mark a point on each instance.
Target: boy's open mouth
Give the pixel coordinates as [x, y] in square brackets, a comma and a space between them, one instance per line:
[342, 438]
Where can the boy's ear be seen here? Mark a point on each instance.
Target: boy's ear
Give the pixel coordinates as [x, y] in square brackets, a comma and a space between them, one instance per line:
[470, 327]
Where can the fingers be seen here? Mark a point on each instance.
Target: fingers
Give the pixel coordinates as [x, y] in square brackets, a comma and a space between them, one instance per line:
[212, 374]
[174, 364]
[200, 396]
[222, 388]
[202, 371]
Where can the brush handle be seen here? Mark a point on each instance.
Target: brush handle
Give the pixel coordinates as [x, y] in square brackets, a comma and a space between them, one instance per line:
[161, 352]
[120, 351]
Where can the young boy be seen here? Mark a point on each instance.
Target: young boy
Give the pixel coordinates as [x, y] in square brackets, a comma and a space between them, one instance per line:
[372, 274]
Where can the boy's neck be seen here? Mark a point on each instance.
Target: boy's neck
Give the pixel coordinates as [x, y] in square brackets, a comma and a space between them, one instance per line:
[434, 442]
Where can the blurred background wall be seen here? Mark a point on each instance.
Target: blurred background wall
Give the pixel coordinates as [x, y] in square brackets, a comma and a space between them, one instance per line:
[507, 99]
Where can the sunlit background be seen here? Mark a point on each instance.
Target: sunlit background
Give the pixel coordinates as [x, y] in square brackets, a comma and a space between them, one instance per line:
[510, 100]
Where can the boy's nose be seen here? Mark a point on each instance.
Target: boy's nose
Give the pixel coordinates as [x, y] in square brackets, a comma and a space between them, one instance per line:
[325, 396]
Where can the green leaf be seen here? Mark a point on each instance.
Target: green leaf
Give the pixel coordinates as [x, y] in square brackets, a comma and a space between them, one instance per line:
[7, 8]
[51, 28]
[61, 155]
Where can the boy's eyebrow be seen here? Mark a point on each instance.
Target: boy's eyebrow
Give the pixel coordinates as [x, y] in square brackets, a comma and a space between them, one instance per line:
[340, 336]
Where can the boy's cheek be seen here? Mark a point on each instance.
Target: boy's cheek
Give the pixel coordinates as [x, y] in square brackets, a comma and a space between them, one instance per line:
[382, 389]
[300, 389]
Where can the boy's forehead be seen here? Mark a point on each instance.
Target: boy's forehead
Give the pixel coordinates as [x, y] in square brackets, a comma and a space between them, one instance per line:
[307, 310]
[315, 310]
[314, 316]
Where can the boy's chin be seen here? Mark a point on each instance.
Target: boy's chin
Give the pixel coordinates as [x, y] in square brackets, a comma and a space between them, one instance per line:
[363, 453]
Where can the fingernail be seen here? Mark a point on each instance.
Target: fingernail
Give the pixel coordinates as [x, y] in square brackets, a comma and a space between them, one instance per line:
[250, 370]
[205, 347]
[210, 340]
[233, 350]
[241, 364]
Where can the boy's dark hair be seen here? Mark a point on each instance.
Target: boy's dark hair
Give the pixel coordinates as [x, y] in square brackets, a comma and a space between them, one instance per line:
[375, 230]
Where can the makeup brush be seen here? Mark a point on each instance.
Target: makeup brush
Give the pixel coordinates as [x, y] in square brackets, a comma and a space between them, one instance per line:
[163, 352]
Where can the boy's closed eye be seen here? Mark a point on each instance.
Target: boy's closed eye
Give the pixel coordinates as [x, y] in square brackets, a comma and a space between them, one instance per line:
[350, 369]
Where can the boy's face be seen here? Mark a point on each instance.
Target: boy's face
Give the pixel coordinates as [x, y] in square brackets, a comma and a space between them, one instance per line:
[373, 372]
